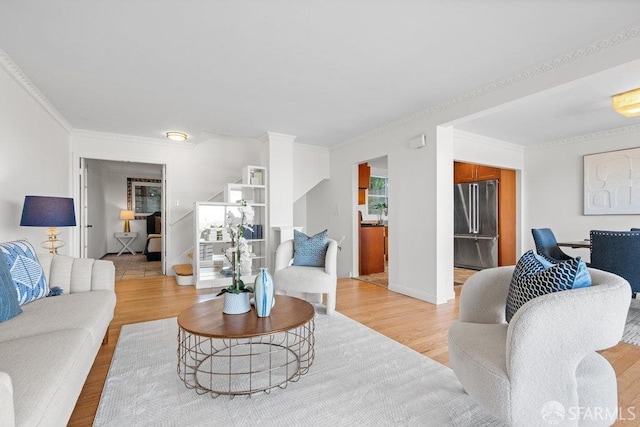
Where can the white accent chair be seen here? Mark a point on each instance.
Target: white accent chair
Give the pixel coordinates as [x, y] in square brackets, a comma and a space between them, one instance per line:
[546, 353]
[313, 281]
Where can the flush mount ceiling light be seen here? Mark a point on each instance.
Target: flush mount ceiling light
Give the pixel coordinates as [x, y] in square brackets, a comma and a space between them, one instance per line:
[177, 136]
[627, 103]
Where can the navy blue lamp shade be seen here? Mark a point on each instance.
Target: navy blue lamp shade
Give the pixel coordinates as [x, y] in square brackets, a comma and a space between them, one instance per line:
[42, 211]
[50, 212]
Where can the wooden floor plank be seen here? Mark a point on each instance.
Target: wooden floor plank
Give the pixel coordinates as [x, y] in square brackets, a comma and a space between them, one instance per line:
[414, 323]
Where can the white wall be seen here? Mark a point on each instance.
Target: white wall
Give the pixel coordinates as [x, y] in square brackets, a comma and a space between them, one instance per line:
[300, 213]
[479, 149]
[310, 166]
[553, 191]
[421, 221]
[35, 161]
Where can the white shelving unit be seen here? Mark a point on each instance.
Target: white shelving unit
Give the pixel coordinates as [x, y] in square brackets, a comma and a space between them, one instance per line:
[212, 239]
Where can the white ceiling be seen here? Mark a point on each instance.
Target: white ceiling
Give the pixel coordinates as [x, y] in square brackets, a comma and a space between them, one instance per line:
[323, 70]
[578, 108]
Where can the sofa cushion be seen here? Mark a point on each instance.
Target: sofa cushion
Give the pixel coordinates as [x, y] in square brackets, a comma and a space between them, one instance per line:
[310, 251]
[9, 305]
[303, 279]
[91, 311]
[47, 374]
[26, 271]
[533, 278]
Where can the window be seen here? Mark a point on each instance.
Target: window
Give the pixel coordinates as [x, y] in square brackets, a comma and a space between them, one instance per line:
[377, 195]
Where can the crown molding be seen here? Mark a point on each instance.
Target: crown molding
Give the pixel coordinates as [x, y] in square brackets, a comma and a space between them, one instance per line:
[586, 137]
[16, 73]
[557, 62]
[276, 137]
[80, 133]
[311, 148]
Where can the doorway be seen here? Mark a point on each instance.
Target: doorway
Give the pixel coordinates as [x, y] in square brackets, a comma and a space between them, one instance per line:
[106, 189]
[373, 223]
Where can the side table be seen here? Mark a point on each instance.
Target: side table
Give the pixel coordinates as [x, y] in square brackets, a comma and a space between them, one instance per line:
[126, 239]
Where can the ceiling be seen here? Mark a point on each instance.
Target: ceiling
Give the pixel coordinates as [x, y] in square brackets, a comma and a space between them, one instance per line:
[578, 108]
[322, 70]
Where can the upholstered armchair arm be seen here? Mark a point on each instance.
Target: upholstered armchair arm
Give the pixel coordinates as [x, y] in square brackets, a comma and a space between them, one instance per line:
[331, 259]
[78, 274]
[484, 296]
[551, 335]
[284, 254]
[7, 415]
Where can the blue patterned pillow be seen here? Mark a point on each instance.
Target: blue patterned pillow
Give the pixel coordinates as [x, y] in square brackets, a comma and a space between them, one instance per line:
[533, 278]
[26, 271]
[309, 251]
[9, 306]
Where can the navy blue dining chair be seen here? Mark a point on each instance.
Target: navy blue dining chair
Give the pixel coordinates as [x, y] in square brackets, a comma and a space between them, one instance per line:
[617, 252]
[547, 245]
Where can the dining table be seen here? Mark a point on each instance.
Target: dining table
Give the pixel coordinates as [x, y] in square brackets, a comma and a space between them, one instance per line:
[575, 244]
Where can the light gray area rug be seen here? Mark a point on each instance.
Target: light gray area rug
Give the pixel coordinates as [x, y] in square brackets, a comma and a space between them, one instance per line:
[632, 329]
[359, 377]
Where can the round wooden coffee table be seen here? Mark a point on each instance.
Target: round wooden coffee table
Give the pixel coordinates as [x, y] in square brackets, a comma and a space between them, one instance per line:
[233, 354]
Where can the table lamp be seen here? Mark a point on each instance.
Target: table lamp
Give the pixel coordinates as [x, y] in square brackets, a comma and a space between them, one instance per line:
[126, 215]
[50, 212]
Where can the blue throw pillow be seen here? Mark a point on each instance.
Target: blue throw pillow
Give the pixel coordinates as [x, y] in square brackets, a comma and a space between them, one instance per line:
[9, 306]
[26, 271]
[309, 251]
[534, 277]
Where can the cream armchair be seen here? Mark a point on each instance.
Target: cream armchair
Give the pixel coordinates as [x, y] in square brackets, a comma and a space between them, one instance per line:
[546, 355]
[313, 281]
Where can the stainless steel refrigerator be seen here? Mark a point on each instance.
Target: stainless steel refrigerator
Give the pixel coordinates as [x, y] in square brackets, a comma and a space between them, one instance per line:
[476, 224]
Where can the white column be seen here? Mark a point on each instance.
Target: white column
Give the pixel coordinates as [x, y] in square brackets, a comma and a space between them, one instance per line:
[280, 169]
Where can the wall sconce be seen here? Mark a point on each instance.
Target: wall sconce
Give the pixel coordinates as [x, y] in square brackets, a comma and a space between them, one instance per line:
[50, 212]
[126, 215]
[627, 103]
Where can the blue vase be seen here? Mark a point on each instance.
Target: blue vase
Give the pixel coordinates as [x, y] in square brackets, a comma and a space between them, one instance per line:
[263, 289]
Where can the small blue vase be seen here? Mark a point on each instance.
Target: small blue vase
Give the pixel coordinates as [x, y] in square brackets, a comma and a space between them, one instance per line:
[263, 289]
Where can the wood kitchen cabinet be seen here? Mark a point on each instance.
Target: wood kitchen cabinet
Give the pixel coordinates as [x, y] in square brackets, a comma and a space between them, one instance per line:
[364, 175]
[362, 197]
[469, 172]
[507, 217]
[371, 250]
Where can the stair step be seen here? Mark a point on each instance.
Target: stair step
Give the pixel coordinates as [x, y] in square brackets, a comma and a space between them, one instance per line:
[183, 269]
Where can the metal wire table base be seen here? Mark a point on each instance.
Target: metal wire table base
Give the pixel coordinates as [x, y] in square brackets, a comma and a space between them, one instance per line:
[245, 366]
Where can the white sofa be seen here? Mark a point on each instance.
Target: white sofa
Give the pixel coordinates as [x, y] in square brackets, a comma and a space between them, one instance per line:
[47, 351]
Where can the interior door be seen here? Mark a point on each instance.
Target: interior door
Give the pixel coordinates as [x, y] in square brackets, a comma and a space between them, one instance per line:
[84, 209]
[165, 222]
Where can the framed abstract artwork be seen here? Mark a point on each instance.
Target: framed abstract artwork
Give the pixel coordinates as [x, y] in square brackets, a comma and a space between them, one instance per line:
[612, 183]
[144, 196]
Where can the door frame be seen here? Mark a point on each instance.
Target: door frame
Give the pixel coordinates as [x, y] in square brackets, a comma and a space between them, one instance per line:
[81, 231]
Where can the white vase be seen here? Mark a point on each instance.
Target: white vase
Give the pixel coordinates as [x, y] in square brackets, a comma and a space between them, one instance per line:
[236, 303]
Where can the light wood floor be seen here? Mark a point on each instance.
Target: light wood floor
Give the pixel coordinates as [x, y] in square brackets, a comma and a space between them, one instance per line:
[414, 323]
